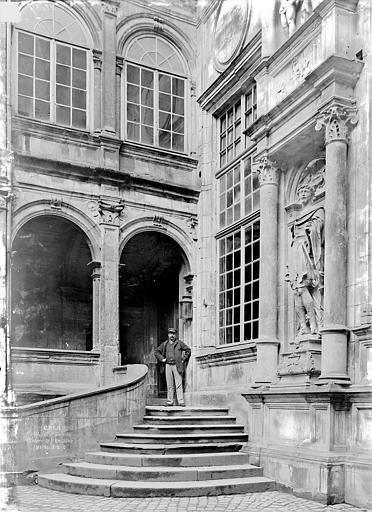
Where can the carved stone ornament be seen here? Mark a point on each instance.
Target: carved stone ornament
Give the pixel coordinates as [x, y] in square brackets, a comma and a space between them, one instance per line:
[337, 121]
[97, 59]
[158, 24]
[158, 221]
[119, 65]
[294, 13]
[192, 223]
[56, 203]
[108, 213]
[268, 171]
[110, 8]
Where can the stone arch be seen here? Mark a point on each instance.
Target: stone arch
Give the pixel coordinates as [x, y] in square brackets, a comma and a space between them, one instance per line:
[314, 166]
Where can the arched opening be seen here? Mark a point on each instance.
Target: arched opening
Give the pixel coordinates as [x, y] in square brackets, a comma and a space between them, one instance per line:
[51, 286]
[152, 267]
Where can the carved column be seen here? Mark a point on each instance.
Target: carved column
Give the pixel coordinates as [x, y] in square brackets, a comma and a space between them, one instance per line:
[119, 69]
[109, 288]
[110, 8]
[267, 343]
[97, 65]
[337, 121]
[96, 283]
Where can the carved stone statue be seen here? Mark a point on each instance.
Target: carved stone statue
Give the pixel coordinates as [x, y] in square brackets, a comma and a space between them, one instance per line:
[306, 268]
[289, 10]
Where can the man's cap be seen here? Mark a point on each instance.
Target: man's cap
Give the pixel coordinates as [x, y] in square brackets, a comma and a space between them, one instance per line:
[172, 329]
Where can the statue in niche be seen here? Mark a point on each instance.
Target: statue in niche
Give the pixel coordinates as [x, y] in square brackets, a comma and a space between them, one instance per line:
[306, 268]
[289, 9]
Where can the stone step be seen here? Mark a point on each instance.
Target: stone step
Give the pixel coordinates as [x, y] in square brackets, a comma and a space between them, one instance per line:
[184, 460]
[189, 429]
[160, 473]
[127, 489]
[188, 420]
[171, 448]
[153, 410]
[181, 438]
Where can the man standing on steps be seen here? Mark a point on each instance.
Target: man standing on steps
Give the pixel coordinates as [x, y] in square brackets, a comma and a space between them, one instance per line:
[174, 354]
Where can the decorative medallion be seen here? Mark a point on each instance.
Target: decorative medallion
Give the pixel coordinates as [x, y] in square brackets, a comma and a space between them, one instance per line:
[230, 27]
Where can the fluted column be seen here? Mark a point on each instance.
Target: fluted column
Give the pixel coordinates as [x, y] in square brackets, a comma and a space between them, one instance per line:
[267, 343]
[97, 66]
[337, 121]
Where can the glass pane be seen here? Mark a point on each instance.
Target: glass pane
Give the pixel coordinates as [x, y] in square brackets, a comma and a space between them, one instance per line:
[177, 142]
[147, 135]
[25, 43]
[147, 97]
[25, 85]
[63, 95]
[63, 115]
[42, 90]
[147, 78]
[164, 121]
[165, 83]
[63, 75]
[178, 105]
[178, 87]
[223, 124]
[247, 332]
[133, 113]
[229, 178]
[79, 79]
[164, 139]
[79, 58]
[147, 116]
[255, 309]
[79, 98]
[42, 48]
[63, 54]
[133, 131]
[177, 124]
[25, 106]
[42, 110]
[132, 93]
[133, 74]
[79, 119]
[42, 69]
[165, 102]
[25, 65]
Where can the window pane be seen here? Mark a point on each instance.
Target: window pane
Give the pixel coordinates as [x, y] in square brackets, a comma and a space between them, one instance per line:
[133, 131]
[177, 142]
[78, 98]
[79, 58]
[42, 90]
[133, 75]
[165, 102]
[147, 97]
[178, 105]
[147, 78]
[25, 85]
[42, 48]
[63, 75]
[42, 110]
[79, 79]
[164, 121]
[147, 135]
[164, 139]
[178, 87]
[63, 95]
[133, 113]
[25, 106]
[147, 116]
[79, 119]
[165, 83]
[25, 65]
[63, 54]
[42, 69]
[63, 115]
[177, 124]
[25, 43]
[132, 93]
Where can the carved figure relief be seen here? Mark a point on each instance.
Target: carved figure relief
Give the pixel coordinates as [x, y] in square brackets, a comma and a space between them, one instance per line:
[293, 11]
[305, 272]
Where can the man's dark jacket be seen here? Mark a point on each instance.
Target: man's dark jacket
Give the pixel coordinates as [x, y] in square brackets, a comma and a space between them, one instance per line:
[181, 354]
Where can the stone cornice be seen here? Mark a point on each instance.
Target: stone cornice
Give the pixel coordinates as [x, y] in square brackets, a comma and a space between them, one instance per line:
[226, 355]
[53, 356]
[237, 77]
[158, 156]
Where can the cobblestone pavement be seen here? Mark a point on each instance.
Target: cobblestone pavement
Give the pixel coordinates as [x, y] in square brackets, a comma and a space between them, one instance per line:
[38, 499]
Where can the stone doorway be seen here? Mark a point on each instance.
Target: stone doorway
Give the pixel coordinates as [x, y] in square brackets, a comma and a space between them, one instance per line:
[152, 267]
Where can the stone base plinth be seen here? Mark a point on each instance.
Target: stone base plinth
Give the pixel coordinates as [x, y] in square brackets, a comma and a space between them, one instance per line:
[302, 364]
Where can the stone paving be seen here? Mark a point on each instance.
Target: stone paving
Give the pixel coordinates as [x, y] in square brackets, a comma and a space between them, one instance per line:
[37, 499]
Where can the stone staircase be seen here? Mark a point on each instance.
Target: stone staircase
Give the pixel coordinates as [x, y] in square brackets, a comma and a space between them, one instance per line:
[177, 451]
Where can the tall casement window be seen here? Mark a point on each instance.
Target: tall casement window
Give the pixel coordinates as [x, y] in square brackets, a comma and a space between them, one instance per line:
[239, 227]
[155, 85]
[52, 65]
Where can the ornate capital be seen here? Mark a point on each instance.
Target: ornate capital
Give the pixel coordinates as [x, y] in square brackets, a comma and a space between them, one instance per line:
[119, 65]
[108, 213]
[110, 7]
[97, 59]
[338, 121]
[268, 171]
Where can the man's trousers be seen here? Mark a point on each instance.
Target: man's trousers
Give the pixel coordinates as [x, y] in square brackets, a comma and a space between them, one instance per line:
[174, 381]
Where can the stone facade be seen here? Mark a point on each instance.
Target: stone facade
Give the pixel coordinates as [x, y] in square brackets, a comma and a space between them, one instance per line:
[250, 194]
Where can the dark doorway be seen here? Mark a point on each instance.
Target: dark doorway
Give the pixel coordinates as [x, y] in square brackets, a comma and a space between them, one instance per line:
[151, 263]
[51, 287]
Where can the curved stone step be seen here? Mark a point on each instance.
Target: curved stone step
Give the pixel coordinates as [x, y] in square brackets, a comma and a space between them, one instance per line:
[153, 410]
[183, 460]
[181, 438]
[160, 473]
[189, 420]
[127, 489]
[189, 429]
[171, 448]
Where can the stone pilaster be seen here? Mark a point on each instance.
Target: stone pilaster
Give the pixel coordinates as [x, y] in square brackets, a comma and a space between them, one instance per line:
[109, 289]
[109, 9]
[96, 284]
[97, 66]
[337, 121]
[267, 343]
[119, 69]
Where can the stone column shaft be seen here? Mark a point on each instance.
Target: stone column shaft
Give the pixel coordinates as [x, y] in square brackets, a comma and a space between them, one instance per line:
[96, 284]
[109, 66]
[335, 333]
[119, 69]
[267, 343]
[97, 65]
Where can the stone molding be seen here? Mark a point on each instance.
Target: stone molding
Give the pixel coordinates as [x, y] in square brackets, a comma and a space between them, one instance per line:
[268, 171]
[338, 121]
[223, 356]
[54, 356]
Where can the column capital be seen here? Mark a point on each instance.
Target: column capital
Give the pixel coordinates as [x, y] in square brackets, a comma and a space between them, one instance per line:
[110, 212]
[97, 59]
[337, 121]
[268, 171]
[110, 7]
[119, 65]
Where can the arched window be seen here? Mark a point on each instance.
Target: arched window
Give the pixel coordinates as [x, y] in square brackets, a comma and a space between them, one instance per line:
[52, 65]
[155, 94]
